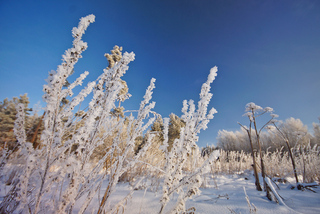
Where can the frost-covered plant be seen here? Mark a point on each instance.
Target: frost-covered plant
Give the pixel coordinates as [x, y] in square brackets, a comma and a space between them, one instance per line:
[278, 163]
[36, 179]
[309, 162]
[254, 111]
[59, 174]
[176, 180]
[252, 208]
[123, 162]
[232, 162]
[290, 153]
[19, 183]
[294, 134]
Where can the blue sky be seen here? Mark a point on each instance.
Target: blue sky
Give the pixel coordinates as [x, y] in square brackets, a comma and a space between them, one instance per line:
[267, 52]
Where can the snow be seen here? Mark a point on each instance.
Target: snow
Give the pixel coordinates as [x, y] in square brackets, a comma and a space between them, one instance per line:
[222, 194]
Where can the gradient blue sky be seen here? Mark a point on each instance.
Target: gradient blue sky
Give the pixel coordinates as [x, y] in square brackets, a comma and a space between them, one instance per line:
[267, 52]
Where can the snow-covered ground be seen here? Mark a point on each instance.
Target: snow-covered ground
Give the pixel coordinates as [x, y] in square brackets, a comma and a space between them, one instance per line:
[225, 194]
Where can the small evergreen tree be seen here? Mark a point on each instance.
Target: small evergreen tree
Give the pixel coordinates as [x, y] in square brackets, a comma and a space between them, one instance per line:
[8, 114]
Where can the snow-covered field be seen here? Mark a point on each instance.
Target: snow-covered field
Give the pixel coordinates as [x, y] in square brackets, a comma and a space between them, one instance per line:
[224, 194]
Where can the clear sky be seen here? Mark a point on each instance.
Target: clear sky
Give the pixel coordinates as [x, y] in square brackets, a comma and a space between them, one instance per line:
[267, 52]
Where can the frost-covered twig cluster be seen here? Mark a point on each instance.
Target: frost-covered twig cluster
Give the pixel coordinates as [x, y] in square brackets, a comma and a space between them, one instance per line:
[176, 179]
[58, 171]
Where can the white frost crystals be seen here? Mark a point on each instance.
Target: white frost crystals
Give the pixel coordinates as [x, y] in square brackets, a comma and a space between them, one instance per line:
[187, 184]
[59, 175]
